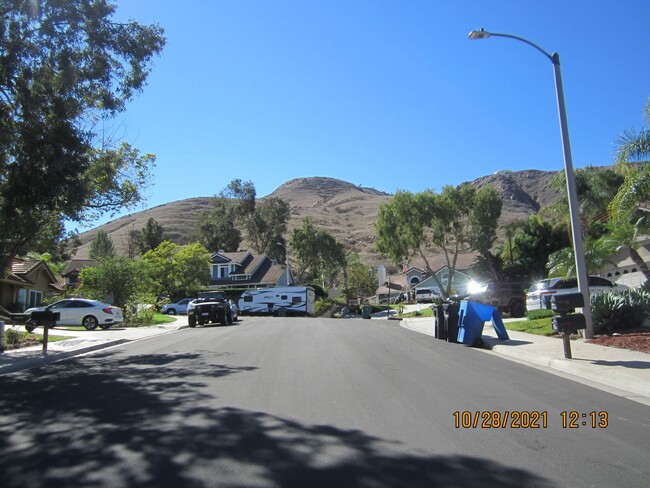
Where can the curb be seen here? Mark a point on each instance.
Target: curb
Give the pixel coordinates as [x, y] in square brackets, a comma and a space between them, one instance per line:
[583, 368]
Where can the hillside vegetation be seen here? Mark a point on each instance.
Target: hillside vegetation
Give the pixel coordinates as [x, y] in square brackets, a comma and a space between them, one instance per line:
[346, 210]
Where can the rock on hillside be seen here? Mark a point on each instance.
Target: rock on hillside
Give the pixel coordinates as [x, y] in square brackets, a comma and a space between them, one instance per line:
[523, 192]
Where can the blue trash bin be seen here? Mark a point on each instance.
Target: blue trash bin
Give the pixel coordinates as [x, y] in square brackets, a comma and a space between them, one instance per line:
[471, 319]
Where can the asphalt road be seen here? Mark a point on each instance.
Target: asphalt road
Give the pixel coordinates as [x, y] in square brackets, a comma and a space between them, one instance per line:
[310, 403]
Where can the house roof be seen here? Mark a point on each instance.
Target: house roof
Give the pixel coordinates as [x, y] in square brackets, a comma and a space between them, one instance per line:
[21, 269]
[23, 266]
[260, 268]
[76, 265]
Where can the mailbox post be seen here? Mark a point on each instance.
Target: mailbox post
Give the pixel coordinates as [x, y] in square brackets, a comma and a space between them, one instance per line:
[567, 321]
[46, 319]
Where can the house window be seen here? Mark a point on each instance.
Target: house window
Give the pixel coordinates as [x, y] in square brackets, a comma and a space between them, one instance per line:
[35, 298]
[220, 271]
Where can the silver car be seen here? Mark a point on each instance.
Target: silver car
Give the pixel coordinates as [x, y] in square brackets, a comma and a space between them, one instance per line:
[179, 307]
[541, 291]
[80, 311]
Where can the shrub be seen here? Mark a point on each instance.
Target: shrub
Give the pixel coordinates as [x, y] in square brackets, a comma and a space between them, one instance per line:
[12, 336]
[625, 310]
[539, 314]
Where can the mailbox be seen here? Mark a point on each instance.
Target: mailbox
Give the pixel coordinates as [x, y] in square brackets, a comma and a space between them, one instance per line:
[569, 323]
[564, 304]
[46, 317]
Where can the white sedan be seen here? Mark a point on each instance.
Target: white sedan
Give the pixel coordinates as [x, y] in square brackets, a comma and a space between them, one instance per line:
[80, 311]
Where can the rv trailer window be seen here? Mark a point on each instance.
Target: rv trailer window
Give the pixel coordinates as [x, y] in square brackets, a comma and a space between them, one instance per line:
[295, 300]
[248, 298]
[283, 297]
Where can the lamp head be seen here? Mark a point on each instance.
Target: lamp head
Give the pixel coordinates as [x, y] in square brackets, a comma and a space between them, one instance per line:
[479, 34]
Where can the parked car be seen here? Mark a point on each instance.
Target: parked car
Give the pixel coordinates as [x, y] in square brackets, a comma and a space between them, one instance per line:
[179, 307]
[507, 297]
[539, 294]
[423, 295]
[80, 311]
[213, 306]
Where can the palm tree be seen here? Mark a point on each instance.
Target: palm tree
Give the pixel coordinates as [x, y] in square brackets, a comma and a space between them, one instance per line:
[633, 146]
[597, 252]
[625, 225]
[625, 235]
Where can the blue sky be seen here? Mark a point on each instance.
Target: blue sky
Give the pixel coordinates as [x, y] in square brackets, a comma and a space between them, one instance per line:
[385, 94]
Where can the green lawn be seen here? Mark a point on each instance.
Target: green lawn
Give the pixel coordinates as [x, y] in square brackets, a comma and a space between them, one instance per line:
[536, 326]
[426, 312]
[161, 318]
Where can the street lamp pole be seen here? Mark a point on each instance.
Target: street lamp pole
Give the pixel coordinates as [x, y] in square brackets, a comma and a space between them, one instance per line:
[286, 255]
[576, 228]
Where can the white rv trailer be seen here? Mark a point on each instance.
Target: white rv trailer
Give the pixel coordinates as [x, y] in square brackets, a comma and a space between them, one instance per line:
[295, 300]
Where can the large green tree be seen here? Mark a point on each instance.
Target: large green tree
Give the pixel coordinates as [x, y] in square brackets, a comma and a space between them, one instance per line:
[317, 251]
[361, 279]
[150, 236]
[457, 219]
[66, 66]
[117, 279]
[101, 246]
[216, 229]
[236, 214]
[535, 242]
[178, 271]
[266, 225]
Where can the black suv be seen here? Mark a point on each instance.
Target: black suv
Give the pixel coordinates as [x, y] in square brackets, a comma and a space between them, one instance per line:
[507, 297]
[211, 306]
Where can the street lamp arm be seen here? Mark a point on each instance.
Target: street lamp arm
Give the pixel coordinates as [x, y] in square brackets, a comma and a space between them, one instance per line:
[483, 34]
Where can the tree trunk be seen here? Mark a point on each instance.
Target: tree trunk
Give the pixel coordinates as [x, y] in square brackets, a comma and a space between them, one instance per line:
[638, 260]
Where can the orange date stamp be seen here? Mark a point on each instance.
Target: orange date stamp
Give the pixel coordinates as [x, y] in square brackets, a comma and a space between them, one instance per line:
[528, 419]
[515, 419]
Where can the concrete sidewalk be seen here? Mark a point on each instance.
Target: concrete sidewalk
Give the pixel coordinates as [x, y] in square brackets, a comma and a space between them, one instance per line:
[611, 367]
[80, 342]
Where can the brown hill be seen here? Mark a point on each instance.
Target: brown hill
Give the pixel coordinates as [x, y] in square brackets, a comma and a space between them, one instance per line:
[345, 210]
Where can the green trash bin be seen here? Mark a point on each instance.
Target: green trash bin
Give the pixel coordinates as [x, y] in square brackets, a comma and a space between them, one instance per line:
[366, 311]
[282, 312]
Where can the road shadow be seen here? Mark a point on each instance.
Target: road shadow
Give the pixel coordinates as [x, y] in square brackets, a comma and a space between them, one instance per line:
[150, 421]
[625, 364]
[489, 342]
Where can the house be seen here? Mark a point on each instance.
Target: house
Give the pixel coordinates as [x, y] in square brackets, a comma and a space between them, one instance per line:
[416, 277]
[72, 270]
[27, 283]
[243, 269]
[623, 270]
[459, 284]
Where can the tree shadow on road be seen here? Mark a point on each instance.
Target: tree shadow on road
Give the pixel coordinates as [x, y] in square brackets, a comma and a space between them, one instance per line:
[110, 420]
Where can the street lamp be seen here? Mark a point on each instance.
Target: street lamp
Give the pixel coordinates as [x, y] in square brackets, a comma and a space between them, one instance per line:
[578, 246]
[286, 254]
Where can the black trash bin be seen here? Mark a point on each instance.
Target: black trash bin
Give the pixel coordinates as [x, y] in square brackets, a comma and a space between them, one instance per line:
[451, 316]
[440, 325]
